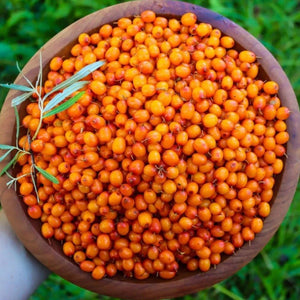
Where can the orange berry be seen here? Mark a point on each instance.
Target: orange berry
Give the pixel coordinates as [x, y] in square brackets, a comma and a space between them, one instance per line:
[188, 19]
[247, 56]
[170, 157]
[282, 113]
[157, 108]
[203, 29]
[271, 87]
[98, 87]
[26, 188]
[154, 157]
[34, 211]
[207, 190]
[227, 42]
[118, 145]
[56, 63]
[145, 219]
[210, 120]
[98, 272]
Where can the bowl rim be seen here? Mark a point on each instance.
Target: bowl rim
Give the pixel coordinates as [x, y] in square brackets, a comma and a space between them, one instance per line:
[133, 289]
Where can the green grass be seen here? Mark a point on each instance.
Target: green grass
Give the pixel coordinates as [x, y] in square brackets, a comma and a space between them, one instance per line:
[275, 273]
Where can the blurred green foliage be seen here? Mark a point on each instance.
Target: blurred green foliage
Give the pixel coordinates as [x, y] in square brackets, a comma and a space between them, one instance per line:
[275, 272]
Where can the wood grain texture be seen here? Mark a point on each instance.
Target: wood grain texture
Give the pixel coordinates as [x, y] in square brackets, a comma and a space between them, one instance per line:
[185, 282]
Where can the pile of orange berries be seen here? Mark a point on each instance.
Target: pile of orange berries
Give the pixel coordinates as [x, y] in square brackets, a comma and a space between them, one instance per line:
[168, 158]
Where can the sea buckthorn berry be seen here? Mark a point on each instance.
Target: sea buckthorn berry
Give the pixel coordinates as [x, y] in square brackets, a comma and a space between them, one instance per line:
[247, 56]
[182, 71]
[119, 145]
[282, 113]
[170, 157]
[210, 120]
[188, 19]
[247, 234]
[154, 157]
[207, 190]
[98, 272]
[204, 264]
[269, 112]
[34, 211]
[203, 29]
[98, 87]
[148, 16]
[227, 42]
[68, 66]
[37, 145]
[196, 243]
[201, 146]
[264, 209]
[56, 63]
[256, 225]
[26, 188]
[145, 219]
[277, 166]
[157, 108]
[169, 187]
[271, 87]
[84, 39]
[187, 110]
[47, 230]
[90, 139]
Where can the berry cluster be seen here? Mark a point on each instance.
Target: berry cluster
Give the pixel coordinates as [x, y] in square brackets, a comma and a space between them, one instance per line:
[168, 158]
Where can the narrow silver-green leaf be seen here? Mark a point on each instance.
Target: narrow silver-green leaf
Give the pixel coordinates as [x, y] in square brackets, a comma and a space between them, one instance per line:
[12, 181]
[20, 99]
[39, 80]
[64, 105]
[85, 71]
[20, 71]
[47, 175]
[17, 87]
[64, 94]
[17, 124]
[5, 155]
[6, 147]
[7, 166]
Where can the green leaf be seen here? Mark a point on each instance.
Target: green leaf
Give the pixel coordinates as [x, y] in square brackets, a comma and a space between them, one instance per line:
[18, 17]
[267, 260]
[17, 87]
[7, 166]
[6, 147]
[47, 175]
[6, 51]
[20, 99]
[64, 106]
[226, 292]
[5, 155]
[85, 71]
[63, 10]
[39, 80]
[63, 95]
[17, 124]
[20, 71]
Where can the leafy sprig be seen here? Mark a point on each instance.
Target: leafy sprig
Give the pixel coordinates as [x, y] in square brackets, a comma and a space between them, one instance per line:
[58, 103]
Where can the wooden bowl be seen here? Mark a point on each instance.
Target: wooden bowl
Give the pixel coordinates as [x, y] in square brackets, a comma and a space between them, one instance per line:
[51, 255]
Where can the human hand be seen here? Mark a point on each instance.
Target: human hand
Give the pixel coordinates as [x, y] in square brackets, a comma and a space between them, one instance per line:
[20, 272]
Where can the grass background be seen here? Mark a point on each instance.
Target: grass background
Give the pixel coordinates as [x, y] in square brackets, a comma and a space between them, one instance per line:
[275, 272]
